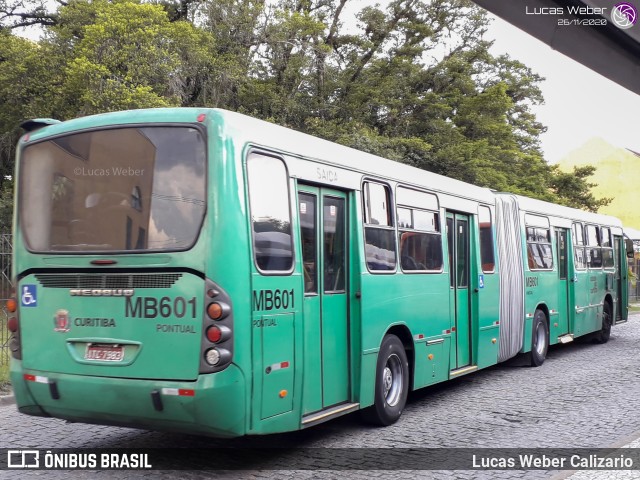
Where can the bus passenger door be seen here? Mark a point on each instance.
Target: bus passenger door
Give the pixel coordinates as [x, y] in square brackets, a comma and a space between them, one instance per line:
[562, 318]
[580, 284]
[323, 237]
[621, 282]
[459, 260]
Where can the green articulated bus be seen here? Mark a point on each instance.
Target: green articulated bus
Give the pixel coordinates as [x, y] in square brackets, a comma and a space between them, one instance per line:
[201, 271]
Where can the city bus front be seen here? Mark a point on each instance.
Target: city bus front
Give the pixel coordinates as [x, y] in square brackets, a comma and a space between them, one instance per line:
[120, 316]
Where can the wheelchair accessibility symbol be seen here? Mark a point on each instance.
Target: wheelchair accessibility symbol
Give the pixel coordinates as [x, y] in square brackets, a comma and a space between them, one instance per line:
[29, 297]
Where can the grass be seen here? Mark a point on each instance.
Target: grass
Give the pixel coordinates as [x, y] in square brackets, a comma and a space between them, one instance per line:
[4, 360]
[634, 308]
[4, 378]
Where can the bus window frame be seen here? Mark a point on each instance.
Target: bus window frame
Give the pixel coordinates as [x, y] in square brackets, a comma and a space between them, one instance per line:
[579, 245]
[19, 188]
[322, 232]
[316, 197]
[364, 216]
[609, 248]
[493, 239]
[589, 247]
[267, 153]
[402, 230]
[530, 222]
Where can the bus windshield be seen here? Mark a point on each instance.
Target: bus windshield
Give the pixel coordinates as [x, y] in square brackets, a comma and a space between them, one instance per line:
[118, 189]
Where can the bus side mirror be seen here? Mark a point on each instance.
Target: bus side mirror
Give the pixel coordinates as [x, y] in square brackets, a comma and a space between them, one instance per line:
[628, 243]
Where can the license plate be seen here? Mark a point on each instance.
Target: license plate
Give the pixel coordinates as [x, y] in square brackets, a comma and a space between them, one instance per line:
[104, 353]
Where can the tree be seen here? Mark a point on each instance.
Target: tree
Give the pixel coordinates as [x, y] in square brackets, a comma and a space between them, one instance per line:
[26, 13]
[131, 56]
[413, 81]
[6, 206]
[27, 89]
[573, 189]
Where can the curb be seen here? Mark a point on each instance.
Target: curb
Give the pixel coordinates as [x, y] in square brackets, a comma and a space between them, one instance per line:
[9, 399]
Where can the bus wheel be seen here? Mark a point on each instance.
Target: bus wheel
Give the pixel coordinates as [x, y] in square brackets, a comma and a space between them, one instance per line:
[607, 320]
[539, 339]
[392, 383]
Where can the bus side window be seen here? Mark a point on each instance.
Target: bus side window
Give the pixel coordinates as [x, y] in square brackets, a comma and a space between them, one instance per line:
[419, 231]
[608, 258]
[308, 232]
[379, 232]
[539, 252]
[594, 257]
[578, 246]
[486, 240]
[270, 213]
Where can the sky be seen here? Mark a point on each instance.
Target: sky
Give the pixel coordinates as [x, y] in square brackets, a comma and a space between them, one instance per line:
[579, 103]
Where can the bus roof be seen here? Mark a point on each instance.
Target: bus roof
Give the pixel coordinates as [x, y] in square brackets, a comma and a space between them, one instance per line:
[540, 207]
[250, 130]
[303, 145]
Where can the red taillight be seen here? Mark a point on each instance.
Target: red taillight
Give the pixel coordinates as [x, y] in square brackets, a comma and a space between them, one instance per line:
[214, 334]
[12, 324]
[202, 117]
[217, 330]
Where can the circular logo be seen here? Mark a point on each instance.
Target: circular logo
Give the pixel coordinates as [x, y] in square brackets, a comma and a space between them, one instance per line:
[624, 15]
[61, 321]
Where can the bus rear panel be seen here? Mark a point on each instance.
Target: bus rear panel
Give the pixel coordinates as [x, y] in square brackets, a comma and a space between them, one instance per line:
[118, 322]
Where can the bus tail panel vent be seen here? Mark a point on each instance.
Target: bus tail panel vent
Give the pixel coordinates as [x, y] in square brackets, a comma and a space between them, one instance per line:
[135, 280]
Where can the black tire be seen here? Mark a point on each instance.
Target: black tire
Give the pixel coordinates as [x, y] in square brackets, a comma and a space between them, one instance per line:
[539, 338]
[607, 320]
[392, 383]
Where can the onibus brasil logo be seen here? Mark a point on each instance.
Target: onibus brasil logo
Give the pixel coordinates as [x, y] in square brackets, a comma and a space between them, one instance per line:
[624, 15]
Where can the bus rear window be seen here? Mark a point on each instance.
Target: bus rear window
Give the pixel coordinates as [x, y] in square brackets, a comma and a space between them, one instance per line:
[120, 189]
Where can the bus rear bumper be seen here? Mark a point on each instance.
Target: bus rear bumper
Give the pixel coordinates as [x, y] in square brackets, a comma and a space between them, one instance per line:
[213, 405]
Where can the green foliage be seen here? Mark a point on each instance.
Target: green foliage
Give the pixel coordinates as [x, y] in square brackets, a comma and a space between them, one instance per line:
[25, 91]
[6, 206]
[413, 81]
[573, 189]
[5, 384]
[131, 56]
